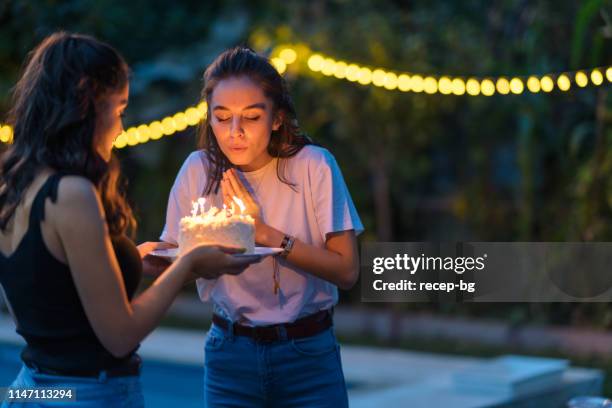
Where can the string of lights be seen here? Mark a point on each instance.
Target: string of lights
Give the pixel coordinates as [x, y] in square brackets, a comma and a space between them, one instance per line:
[455, 85]
[284, 56]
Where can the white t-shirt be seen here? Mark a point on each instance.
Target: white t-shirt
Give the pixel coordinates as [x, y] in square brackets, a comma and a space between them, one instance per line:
[321, 205]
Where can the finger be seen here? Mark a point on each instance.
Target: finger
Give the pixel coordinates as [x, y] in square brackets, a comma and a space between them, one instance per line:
[145, 248]
[227, 196]
[237, 183]
[165, 245]
[244, 260]
[231, 190]
[231, 250]
[147, 244]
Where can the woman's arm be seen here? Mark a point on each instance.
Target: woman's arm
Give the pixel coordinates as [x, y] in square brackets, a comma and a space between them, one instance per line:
[78, 218]
[337, 263]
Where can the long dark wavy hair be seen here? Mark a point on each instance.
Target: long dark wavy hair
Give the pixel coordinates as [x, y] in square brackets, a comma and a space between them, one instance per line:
[53, 116]
[285, 142]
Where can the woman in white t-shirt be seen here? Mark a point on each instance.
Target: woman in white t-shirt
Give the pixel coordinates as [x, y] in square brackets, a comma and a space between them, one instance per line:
[272, 341]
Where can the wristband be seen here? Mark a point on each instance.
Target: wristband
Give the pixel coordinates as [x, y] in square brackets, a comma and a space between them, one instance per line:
[287, 245]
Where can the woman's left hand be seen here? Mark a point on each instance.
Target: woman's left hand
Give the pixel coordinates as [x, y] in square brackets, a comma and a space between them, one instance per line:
[153, 266]
[232, 186]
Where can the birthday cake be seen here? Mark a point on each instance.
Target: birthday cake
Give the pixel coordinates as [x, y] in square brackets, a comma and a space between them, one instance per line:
[226, 226]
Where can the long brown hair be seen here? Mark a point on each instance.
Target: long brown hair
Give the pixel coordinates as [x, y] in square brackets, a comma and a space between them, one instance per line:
[285, 142]
[53, 116]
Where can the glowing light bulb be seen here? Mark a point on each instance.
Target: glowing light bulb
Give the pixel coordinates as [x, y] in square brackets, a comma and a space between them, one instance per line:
[121, 141]
[340, 70]
[156, 129]
[445, 85]
[533, 84]
[143, 134]
[503, 86]
[6, 134]
[581, 79]
[487, 87]
[168, 126]
[596, 77]
[352, 72]
[288, 55]
[365, 76]
[563, 82]
[378, 77]
[516, 86]
[417, 83]
[458, 86]
[329, 67]
[472, 87]
[315, 62]
[180, 121]
[430, 85]
[193, 116]
[132, 136]
[390, 81]
[403, 83]
[546, 83]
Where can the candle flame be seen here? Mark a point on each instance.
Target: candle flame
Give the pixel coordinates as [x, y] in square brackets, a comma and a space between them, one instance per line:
[240, 204]
[201, 202]
[228, 211]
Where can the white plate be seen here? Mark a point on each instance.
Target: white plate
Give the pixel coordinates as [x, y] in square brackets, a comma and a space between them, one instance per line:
[263, 251]
[172, 253]
[169, 254]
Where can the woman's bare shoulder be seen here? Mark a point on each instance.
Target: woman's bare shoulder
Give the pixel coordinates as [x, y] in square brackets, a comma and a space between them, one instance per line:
[77, 200]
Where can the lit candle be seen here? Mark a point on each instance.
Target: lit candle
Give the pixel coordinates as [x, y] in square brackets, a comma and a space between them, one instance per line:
[201, 202]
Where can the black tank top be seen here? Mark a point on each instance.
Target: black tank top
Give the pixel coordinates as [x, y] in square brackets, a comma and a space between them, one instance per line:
[45, 303]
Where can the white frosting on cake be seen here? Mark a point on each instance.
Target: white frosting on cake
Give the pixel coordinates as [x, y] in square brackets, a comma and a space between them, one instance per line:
[217, 227]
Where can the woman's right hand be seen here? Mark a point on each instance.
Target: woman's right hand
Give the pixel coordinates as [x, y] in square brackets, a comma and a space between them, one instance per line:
[212, 261]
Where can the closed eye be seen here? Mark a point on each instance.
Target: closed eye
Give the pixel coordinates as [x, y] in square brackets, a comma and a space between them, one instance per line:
[253, 118]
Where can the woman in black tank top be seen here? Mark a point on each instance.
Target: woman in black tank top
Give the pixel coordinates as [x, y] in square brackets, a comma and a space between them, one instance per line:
[67, 267]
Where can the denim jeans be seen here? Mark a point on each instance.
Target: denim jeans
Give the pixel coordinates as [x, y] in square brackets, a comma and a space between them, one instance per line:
[241, 372]
[90, 392]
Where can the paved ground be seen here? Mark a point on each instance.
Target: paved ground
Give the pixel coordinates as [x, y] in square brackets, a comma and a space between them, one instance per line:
[395, 378]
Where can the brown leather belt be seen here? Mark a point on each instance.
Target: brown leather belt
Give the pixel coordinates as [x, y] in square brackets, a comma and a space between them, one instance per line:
[304, 327]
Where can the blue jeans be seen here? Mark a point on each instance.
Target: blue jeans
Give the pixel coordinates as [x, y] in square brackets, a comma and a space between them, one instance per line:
[240, 372]
[90, 392]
